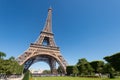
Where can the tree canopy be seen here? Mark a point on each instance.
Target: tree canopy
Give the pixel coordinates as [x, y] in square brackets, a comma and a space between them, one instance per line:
[114, 60]
[98, 66]
[9, 66]
[72, 70]
[84, 67]
[2, 55]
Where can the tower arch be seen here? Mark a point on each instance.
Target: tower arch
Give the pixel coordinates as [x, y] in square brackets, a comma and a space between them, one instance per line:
[51, 60]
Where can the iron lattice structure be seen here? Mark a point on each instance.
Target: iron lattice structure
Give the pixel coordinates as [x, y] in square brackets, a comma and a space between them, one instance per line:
[44, 49]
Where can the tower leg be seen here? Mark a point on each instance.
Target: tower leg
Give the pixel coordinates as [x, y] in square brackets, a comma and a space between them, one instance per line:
[53, 66]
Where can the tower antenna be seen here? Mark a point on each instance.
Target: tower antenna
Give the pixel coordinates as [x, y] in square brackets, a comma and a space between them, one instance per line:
[49, 3]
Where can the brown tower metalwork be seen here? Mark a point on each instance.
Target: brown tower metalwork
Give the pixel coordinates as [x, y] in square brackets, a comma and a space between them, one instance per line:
[44, 49]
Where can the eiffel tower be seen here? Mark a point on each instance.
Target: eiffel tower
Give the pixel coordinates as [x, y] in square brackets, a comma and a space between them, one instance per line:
[44, 49]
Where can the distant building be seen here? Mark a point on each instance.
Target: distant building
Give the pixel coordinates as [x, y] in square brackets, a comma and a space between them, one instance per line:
[36, 71]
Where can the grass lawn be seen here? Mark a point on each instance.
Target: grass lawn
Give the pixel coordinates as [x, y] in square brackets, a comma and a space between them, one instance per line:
[69, 78]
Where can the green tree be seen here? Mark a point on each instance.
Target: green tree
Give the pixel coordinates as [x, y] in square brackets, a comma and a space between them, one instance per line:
[84, 67]
[72, 70]
[98, 66]
[12, 58]
[75, 71]
[2, 55]
[108, 69]
[114, 61]
[15, 67]
[10, 66]
[1, 66]
[46, 72]
[5, 67]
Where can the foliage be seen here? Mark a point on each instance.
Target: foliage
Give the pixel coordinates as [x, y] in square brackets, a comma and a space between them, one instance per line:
[98, 66]
[114, 60]
[46, 72]
[9, 66]
[75, 71]
[69, 70]
[12, 58]
[84, 67]
[108, 68]
[2, 55]
[72, 70]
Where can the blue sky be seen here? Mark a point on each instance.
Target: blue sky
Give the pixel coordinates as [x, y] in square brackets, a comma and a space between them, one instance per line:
[82, 28]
